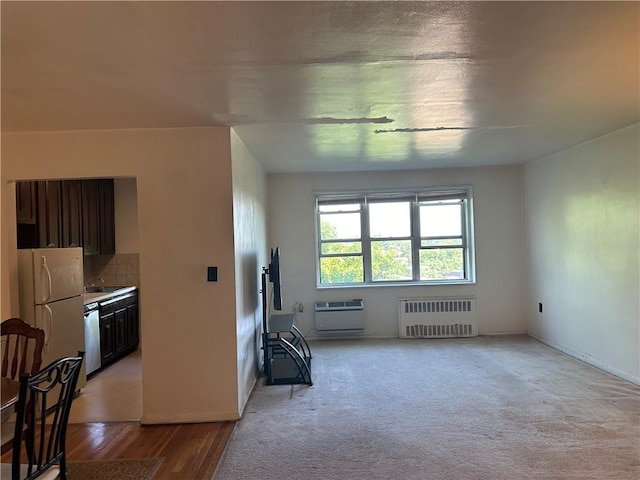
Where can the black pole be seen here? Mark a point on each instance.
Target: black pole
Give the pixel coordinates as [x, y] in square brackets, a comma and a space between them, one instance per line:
[265, 333]
[264, 299]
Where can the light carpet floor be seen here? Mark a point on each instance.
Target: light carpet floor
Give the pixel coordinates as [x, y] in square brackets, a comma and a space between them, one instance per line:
[489, 408]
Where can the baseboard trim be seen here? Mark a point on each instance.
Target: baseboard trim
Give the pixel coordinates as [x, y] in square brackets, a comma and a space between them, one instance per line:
[196, 418]
[502, 332]
[338, 336]
[345, 336]
[588, 359]
[245, 400]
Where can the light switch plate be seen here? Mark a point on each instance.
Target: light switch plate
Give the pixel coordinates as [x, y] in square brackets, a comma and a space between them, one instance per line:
[212, 274]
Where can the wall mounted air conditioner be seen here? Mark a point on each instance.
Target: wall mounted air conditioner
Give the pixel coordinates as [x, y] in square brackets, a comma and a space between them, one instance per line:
[339, 316]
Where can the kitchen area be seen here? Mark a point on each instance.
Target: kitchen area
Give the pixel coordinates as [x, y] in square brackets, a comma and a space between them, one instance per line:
[79, 280]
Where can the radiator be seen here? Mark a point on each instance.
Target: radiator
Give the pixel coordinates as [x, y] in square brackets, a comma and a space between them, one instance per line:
[336, 316]
[437, 317]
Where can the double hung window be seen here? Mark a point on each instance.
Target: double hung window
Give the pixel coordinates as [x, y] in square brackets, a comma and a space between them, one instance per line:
[419, 237]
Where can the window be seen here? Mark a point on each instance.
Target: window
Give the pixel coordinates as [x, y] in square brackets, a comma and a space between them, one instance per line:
[395, 237]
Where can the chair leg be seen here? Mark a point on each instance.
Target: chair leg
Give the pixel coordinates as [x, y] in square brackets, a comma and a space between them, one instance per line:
[63, 468]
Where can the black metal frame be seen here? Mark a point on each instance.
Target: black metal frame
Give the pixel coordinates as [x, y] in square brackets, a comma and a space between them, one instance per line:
[48, 393]
[294, 348]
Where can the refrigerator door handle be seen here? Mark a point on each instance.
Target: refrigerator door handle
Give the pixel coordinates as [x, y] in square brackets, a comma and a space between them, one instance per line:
[45, 269]
[48, 332]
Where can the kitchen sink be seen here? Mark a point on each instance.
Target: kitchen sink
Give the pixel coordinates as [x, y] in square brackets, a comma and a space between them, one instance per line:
[103, 289]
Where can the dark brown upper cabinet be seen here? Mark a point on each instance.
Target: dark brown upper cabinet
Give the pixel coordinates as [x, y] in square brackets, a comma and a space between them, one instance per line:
[66, 213]
[98, 217]
[90, 221]
[71, 213]
[49, 213]
[26, 206]
[106, 209]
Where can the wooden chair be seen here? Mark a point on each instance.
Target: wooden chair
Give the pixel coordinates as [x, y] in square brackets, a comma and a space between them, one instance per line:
[42, 415]
[23, 346]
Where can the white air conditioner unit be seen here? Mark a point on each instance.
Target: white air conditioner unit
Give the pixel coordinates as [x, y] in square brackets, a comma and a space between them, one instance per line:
[339, 315]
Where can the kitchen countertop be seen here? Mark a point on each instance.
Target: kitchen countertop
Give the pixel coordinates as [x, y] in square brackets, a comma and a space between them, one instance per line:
[100, 296]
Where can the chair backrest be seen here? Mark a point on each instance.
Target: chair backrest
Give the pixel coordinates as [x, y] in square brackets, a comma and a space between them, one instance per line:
[22, 349]
[42, 415]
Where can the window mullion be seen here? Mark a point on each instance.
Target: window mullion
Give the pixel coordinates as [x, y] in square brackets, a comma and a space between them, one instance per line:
[366, 242]
[340, 240]
[443, 247]
[465, 249]
[415, 240]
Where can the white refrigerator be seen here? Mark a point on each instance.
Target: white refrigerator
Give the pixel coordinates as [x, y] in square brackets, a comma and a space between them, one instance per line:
[51, 287]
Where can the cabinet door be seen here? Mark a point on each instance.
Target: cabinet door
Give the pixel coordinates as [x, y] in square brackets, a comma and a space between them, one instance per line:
[107, 217]
[120, 325]
[71, 213]
[49, 209]
[90, 213]
[27, 231]
[26, 206]
[107, 340]
[133, 327]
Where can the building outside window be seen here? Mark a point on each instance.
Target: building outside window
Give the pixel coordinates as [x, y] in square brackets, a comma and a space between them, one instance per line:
[388, 238]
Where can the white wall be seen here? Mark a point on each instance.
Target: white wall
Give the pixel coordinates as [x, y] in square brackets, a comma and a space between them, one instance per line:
[250, 236]
[582, 219]
[185, 209]
[498, 232]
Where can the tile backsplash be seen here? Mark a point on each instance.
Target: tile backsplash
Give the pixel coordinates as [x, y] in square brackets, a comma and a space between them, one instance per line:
[118, 269]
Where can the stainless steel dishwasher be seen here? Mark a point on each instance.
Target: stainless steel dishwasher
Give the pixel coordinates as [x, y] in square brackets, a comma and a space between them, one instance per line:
[92, 337]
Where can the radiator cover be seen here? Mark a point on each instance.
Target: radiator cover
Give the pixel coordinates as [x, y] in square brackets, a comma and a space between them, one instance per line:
[437, 317]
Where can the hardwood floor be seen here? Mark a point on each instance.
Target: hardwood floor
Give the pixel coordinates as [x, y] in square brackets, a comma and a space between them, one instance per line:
[97, 431]
[190, 451]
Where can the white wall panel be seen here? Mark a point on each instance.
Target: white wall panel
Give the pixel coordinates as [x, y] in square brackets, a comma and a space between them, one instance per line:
[250, 236]
[582, 216]
[498, 233]
[185, 223]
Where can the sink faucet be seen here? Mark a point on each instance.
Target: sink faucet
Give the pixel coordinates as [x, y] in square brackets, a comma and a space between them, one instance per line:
[94, 282]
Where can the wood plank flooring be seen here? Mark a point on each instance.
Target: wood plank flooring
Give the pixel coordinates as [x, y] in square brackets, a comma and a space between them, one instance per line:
[101, 428]
[190, 451]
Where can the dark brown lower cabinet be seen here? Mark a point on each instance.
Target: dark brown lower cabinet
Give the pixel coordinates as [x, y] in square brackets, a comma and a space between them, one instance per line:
[107, 346]
[133, 327]
[119, 327]
[120, 334]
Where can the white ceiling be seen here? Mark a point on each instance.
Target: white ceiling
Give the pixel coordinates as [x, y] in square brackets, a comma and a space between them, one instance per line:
[331, 86]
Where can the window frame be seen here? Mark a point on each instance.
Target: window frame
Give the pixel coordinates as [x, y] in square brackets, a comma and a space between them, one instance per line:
[416, 198]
